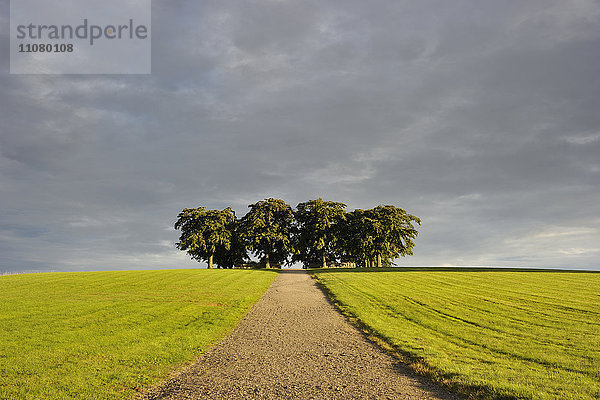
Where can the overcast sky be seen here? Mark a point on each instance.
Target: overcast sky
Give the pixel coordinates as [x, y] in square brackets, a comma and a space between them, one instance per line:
[480, 117]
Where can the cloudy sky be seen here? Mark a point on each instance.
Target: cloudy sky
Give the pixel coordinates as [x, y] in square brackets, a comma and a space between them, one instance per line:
[480, 117]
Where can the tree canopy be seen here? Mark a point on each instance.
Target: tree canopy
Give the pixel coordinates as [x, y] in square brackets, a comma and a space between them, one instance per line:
[204, 233]
[236, 254]
[315, 230]
[266, 230]
[318, 232]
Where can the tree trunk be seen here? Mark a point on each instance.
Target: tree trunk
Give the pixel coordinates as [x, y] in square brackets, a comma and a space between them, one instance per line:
[378, 260]
[267, 263]
[210, 262]
[323, 258]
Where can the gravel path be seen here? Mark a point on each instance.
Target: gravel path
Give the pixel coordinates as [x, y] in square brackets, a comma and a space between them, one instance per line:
[293, 344]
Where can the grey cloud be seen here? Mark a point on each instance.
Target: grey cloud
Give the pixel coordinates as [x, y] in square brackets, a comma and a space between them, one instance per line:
[479, 117]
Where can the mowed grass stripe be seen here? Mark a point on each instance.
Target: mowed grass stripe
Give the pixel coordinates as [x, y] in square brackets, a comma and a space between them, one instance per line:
[504, 334]
[577, 305]
[483, 286]
[107, 335]
[459, 338]
[494, 340]
[479, 305]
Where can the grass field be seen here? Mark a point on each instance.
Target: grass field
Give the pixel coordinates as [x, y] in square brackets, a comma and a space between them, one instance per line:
[107, 335]
[489, 334]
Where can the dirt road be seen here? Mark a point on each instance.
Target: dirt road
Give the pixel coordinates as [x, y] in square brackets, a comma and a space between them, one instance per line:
[293, 344]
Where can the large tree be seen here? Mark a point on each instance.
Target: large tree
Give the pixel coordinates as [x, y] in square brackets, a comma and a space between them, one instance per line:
[392, 231]
[265, 230]
[204, 233]
[377, 236]
[395, 232]
[236, 254]
[354, 240]
[319, 231]
[315, 233]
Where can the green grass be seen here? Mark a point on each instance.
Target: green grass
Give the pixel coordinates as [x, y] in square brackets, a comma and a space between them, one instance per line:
[109, 335]
[488, 334]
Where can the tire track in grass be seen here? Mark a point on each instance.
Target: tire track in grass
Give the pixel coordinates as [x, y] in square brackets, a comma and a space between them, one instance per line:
[472, 343]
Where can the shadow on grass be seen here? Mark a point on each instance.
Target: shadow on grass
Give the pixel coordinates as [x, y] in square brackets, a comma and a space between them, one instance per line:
[408, 363]
[448, 269]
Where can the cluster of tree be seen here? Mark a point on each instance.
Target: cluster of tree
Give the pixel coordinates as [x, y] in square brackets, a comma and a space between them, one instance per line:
[317, 233]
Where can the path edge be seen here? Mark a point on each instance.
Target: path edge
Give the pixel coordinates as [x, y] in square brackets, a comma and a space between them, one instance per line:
[414, 363]
[150, 392]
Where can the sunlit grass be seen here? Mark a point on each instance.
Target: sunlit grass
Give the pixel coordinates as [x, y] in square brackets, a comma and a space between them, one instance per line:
[108, 335]
[490, 334]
